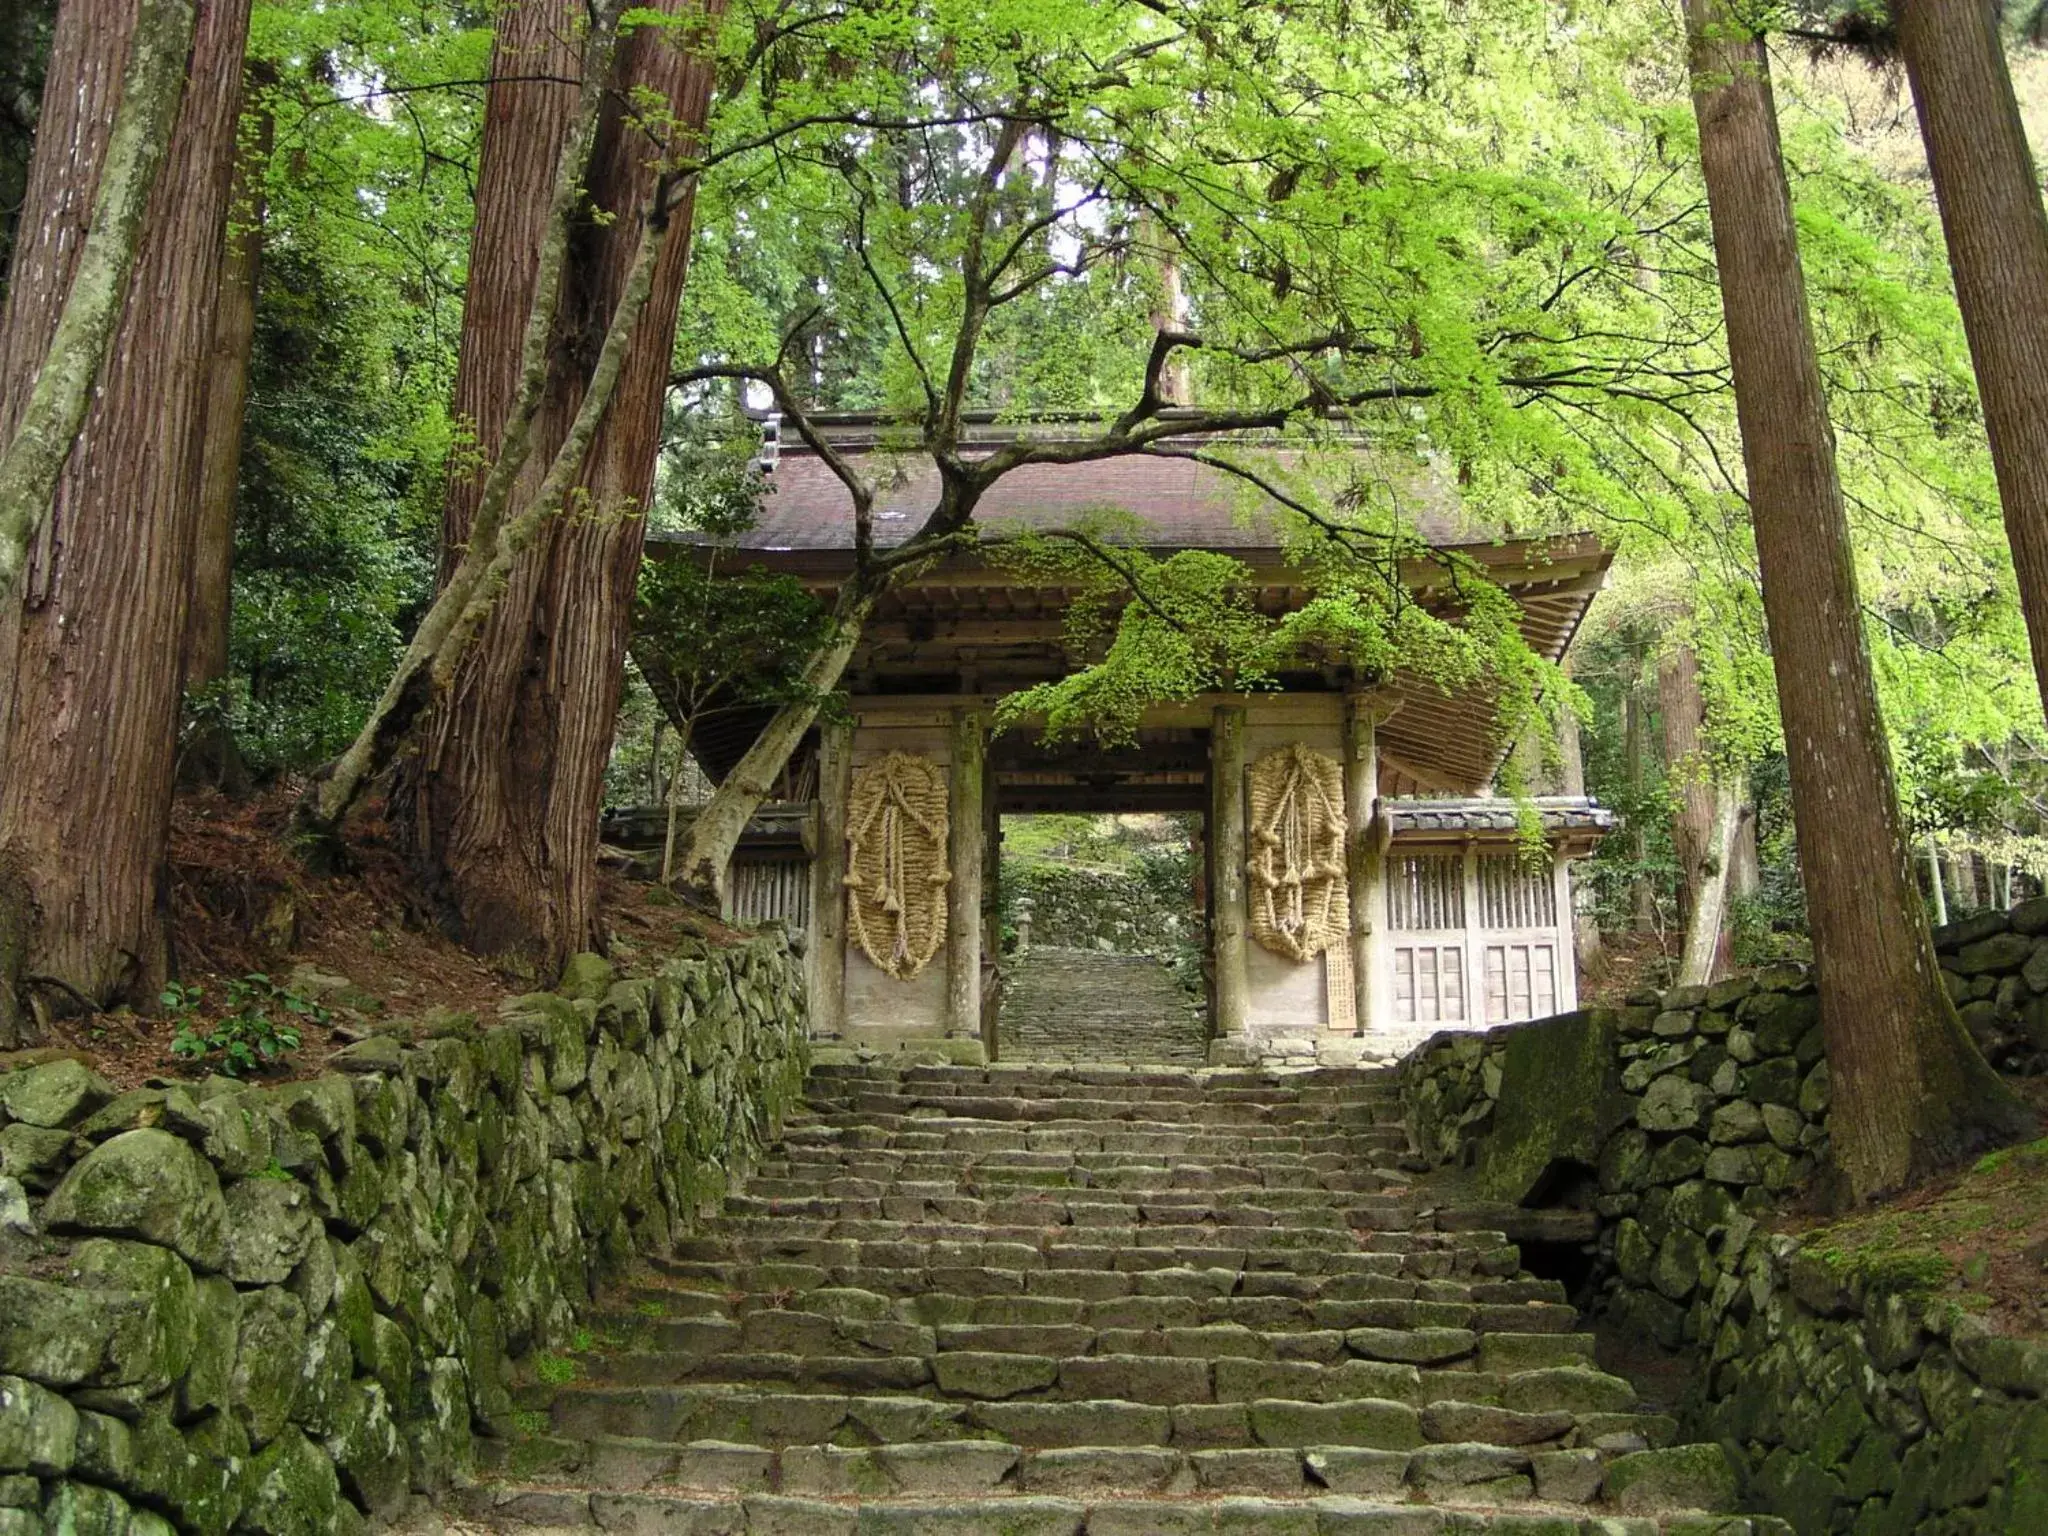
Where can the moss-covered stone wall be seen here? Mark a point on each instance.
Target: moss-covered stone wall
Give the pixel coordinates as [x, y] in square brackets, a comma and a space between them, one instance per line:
[1848, 1402]
[1102, 909]
[1996, 968]
[288, 1309]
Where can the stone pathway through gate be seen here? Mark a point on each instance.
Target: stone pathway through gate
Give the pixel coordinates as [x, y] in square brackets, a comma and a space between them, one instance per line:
[1049, 1301]
[1081, 1005]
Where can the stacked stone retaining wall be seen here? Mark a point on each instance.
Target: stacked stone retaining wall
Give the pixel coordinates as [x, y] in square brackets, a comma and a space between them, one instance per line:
[1681, 1125]
[1101, 909]
[1996, 967]
[286, 1309]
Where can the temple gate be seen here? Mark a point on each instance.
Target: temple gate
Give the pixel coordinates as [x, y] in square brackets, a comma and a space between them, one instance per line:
[1364, 888]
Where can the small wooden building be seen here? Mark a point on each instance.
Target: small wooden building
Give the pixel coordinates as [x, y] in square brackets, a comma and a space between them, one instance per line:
[1363, 887]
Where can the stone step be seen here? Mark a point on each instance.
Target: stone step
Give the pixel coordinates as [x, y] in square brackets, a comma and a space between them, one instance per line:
[847, 1198]
[943, 1242]
[1442, 1405]
[1088, 1300]
[846, 1241]
[1256, 1298]
[1366, 1364]
[1014, 1173]
[835, 1143]
[515, 1508]
[1218, 1083]
[1380, 1110]
[983, 1467]
[1113, 1209]
[1014, 1270]
[1279, 1327]
[1180, 1139]
[1107, 1080]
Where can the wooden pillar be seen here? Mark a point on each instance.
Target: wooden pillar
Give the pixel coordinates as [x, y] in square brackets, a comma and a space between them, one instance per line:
[1475, 939]
[1364, 869]
[1226, 842]
[828, 880]
[1566, 949]
[991, 914]
[964, 837]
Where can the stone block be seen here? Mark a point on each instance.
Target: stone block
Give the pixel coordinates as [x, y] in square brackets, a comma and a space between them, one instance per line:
[1566, 1477]
[146, 1184]
[1995, 953]
[1456, 1422]
[1083, 1470]
[1357, 1470]
[1678, 1477]
[1412, 1346]
[1682, 1157]
[965, 1373]
[1574, 1389]
[270, 1229]
[1736, 1122]
[38, 1429]
[55, 1094]
[1369, 1422]
[1733, 1165]
[1673, 1104]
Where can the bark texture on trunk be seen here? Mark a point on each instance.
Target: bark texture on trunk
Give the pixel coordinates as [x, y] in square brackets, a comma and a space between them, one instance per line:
[1991, 213]
[212, 757]
[1634, 750]
[1683, 714]
[504, 798]
[1588, 947]
[131, 68]
[1706, 926]
[227, 397]
[89, 652]
[1911, 1092]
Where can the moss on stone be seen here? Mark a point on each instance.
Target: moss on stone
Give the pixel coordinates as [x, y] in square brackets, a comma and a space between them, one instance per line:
[1554, 1077]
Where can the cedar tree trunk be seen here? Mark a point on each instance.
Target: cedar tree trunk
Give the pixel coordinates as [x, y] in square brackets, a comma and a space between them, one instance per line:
[1634, 749]
[1571, 780]
[1990, 200]
[502, 802]
[1705, 954]
[1911, 1092]
[1703, 860]
[78, 264]
[212, 758]
[89, 652]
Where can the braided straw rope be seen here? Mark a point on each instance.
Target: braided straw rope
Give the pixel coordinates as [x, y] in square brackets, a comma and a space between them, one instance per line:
[1301, 901]
[896, 873]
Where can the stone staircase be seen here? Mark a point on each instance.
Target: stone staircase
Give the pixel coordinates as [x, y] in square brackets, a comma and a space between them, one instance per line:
[1043, 1301]
[1082, 1005]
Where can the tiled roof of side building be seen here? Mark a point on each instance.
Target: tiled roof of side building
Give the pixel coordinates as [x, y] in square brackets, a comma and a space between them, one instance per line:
[1559, 813]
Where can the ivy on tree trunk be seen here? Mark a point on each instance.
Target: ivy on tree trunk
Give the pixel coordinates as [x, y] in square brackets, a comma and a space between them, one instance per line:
[89, 645]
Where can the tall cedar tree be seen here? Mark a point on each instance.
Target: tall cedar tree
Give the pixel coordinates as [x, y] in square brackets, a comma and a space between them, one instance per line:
[1911, 1091]
[502, 800]
[89, 649]
[1997, 233]
[212, 757]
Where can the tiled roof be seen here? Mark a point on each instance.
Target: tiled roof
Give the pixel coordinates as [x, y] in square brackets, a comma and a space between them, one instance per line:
[1560, 813]
[1181, 504]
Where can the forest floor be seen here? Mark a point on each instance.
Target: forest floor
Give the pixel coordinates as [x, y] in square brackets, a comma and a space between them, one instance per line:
[360, 945]
[1977, 1237]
